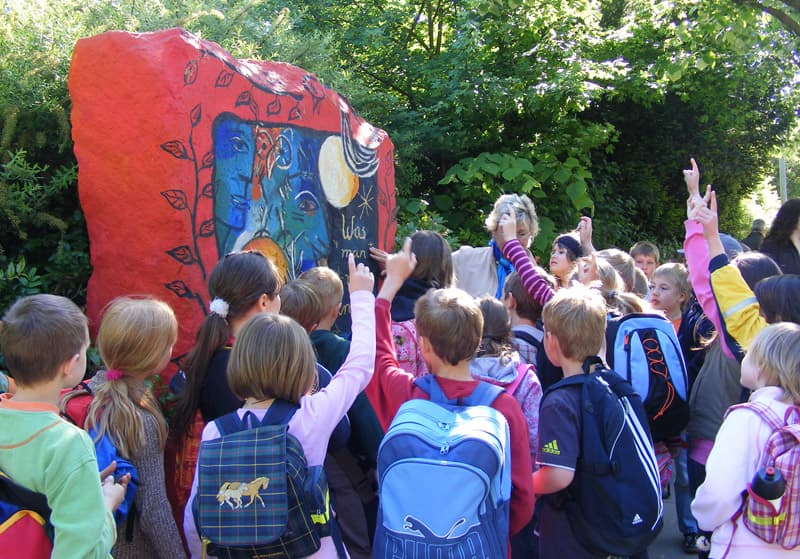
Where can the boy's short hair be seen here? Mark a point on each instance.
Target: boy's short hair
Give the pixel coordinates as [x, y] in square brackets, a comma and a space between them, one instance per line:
[451, 320]
[39, 334]
[526, 307]
[645, 248]
[679, 276]
[300, 302]
[576, 316]
[326, 284]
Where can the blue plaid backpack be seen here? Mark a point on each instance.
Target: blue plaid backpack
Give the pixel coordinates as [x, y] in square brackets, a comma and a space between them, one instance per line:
[444, 470]
[256, 494]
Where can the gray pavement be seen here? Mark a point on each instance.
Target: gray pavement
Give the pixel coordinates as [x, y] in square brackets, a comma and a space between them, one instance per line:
[668, 543]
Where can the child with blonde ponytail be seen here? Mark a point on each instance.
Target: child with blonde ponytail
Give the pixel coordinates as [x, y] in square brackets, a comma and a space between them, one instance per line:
[135, 342]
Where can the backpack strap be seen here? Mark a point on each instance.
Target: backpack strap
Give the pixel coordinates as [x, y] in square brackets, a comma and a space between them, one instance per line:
[77, 407]
[522, 370]
[280, 412]
[528, 338]
[12, 491]
[484, 393]
[761, 410]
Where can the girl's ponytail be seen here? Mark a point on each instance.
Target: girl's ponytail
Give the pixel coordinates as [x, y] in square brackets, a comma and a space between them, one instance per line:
[214, 333]
[135, 339]
[114, 412]
[235, 285]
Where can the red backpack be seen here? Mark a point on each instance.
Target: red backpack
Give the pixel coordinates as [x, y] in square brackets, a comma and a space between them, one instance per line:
[25, 529]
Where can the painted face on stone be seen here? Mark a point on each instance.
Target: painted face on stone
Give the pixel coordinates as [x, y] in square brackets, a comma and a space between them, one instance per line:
[267, 194]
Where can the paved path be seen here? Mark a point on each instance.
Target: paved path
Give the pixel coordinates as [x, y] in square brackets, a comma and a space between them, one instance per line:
[668, 543]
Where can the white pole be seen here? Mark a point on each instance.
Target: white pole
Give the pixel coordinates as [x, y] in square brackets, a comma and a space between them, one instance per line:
[782, 179]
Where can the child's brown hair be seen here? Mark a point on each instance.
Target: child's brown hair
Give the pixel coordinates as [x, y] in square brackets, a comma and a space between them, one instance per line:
[645, 248]
[576, 316]
[434, 264]
[238, 280]
[496, 338]
[526, 307]
[451, 321]
[301, 302]
[328, 286]
[39, 333]
[272, 357]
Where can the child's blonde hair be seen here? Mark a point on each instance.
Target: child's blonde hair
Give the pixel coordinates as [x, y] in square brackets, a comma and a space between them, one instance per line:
[451, 321]
[776, 352]
[328, 286]
[576, 316]
[641, 285]
[608, 276]
[679, 276]
[135, 336]
[622, 263]
[272, 357]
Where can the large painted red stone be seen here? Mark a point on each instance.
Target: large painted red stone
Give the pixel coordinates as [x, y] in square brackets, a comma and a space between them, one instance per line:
[186, 153]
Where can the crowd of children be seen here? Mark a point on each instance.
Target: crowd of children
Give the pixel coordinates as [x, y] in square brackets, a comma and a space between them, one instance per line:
[465, 414]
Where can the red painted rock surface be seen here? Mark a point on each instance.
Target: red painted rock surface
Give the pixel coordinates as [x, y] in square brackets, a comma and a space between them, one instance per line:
[186, 154]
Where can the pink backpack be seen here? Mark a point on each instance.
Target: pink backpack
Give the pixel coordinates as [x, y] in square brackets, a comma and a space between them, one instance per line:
[527, 390]
[782, 451]
[406, 348]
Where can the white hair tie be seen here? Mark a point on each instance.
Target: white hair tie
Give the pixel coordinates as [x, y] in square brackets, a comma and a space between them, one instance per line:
[220, 307]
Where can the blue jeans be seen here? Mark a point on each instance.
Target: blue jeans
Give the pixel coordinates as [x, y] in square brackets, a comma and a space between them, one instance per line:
[683, 494]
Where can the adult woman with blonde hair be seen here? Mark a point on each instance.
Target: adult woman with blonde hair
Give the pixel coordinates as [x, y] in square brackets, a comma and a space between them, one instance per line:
[483, 270]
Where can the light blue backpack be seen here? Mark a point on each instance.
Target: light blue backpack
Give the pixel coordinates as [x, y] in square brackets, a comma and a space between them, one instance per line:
[444, 470]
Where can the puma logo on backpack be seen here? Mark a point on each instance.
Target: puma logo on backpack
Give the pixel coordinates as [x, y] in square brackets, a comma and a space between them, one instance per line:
[644, 350]
[779, 524]
[457, 457]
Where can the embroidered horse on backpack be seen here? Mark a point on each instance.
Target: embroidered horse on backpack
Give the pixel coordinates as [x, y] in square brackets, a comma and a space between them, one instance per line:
[233, 492]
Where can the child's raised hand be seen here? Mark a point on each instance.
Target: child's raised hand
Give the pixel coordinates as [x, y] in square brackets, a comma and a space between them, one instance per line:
[692, 179]
[380, 257]
[584, 230]
[587, 269]
[399, 267]
[361, 279]
[707, 215]
[506, 229]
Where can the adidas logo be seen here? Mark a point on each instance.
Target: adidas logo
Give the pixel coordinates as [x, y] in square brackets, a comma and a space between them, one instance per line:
[551, 448]
[637, 519]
